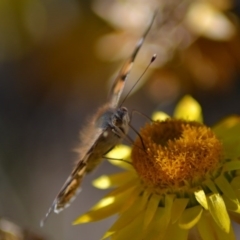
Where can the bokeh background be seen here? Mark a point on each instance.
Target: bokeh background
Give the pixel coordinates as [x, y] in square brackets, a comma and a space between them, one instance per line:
[57, 59]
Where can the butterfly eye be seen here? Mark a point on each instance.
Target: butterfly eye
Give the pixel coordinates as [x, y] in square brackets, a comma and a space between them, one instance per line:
[124, 109]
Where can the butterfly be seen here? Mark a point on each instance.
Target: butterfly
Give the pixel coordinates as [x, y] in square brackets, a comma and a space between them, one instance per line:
[107, 128]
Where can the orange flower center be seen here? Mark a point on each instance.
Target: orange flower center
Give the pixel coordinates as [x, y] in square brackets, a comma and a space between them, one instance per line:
[176, 153]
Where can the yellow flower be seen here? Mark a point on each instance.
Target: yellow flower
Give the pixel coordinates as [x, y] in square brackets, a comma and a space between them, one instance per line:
[183, 181]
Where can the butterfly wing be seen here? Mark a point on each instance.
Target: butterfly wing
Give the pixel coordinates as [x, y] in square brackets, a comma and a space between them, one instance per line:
[119, 82]
[72, 185]
[100, 141]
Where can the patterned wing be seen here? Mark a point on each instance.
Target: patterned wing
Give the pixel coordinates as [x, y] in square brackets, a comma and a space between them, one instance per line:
[72, 185]
[120, 80]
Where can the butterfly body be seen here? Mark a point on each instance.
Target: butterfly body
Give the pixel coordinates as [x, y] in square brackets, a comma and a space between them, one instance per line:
[111, 125]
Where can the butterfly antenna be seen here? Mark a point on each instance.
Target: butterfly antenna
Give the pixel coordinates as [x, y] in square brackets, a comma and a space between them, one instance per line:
[152, 60]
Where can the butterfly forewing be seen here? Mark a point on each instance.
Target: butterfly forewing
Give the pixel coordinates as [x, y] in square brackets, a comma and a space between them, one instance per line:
[119, 82]
[104, 132]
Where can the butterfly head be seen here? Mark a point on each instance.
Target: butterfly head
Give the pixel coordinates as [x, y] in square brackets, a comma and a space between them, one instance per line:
[121, 119]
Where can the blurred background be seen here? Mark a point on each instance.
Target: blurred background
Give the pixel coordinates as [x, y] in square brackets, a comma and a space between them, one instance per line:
[57, 59]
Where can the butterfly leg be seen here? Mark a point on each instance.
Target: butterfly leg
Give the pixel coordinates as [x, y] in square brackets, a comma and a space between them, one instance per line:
[144, 148]
[117, 131]
[117, 159]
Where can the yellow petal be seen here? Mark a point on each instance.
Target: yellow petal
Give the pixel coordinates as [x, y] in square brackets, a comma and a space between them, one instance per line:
[209, 230]
[227, 189]
[130, 214]
[157, 228]
[222, 235]
[218, 211]
[231, 205]
[144, 199]
[160, 116]
[205, 228]
[235, 183]
[152, 206]
[228, 132]
[231, 166]
[169, 199]
[188, 109]
[100, 213]
[114, 180]
[178, 208]
[123, 190]
[159, 224]
[135, 195]
[201, 198]
[125, 219]
[174, 232]
[210, 184]
[120, 152]
[190, 217]
[107, 206]
[133, 230]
